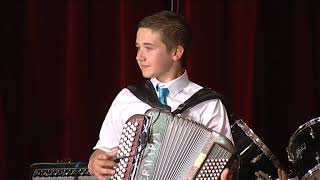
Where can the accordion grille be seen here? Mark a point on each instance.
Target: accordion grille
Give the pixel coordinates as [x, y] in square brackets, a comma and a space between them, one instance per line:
[182, 144]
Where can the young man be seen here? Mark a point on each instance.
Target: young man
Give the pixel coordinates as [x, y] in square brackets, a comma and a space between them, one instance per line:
[163, 42]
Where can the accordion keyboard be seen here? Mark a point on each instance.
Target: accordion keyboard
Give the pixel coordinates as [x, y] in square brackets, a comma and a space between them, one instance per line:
[129, 146]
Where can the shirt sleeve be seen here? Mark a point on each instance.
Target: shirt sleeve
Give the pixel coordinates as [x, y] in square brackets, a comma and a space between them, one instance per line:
[109, 135]
[213, 114]
[122, 108]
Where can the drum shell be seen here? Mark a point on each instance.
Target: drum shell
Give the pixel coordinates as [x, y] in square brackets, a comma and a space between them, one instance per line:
[304, 149]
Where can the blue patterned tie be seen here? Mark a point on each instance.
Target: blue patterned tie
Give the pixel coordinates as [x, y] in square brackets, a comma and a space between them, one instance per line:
[163, 93]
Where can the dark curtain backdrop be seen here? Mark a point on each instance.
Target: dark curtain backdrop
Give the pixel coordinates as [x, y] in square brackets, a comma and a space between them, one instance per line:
[63, 62]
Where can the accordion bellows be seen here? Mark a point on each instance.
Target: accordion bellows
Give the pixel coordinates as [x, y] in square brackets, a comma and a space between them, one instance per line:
[158, 145]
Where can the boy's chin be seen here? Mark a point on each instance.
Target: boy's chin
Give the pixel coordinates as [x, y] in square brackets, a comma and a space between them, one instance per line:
[147, 76]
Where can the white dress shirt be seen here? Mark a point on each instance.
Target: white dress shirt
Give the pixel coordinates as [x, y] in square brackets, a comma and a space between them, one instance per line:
[211, 113]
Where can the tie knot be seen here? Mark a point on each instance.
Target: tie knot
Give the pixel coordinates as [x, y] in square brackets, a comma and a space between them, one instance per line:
[163, 92]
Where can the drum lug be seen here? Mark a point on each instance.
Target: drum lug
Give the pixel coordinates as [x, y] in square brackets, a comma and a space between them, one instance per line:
[257, 158]
[290, 155]
[311, 132]
[300, 150]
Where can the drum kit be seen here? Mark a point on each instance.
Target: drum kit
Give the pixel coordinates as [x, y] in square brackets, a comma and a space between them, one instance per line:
[256, 161]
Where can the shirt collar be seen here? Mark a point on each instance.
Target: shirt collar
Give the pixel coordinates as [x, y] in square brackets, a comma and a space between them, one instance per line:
[175, 86]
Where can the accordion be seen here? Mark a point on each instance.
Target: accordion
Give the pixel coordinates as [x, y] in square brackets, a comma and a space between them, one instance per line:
[159, 145]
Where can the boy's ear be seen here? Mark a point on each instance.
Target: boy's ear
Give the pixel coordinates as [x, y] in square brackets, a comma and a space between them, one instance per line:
[177, 53]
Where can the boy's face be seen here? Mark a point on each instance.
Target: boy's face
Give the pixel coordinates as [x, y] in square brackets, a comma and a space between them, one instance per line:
[154, 60]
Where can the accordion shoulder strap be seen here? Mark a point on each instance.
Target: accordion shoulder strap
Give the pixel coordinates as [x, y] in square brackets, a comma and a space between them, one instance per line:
[200, 96]
[146, 93]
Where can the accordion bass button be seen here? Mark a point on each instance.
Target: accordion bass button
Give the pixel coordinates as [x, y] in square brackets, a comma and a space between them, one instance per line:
[124, 130]
[120, 146]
